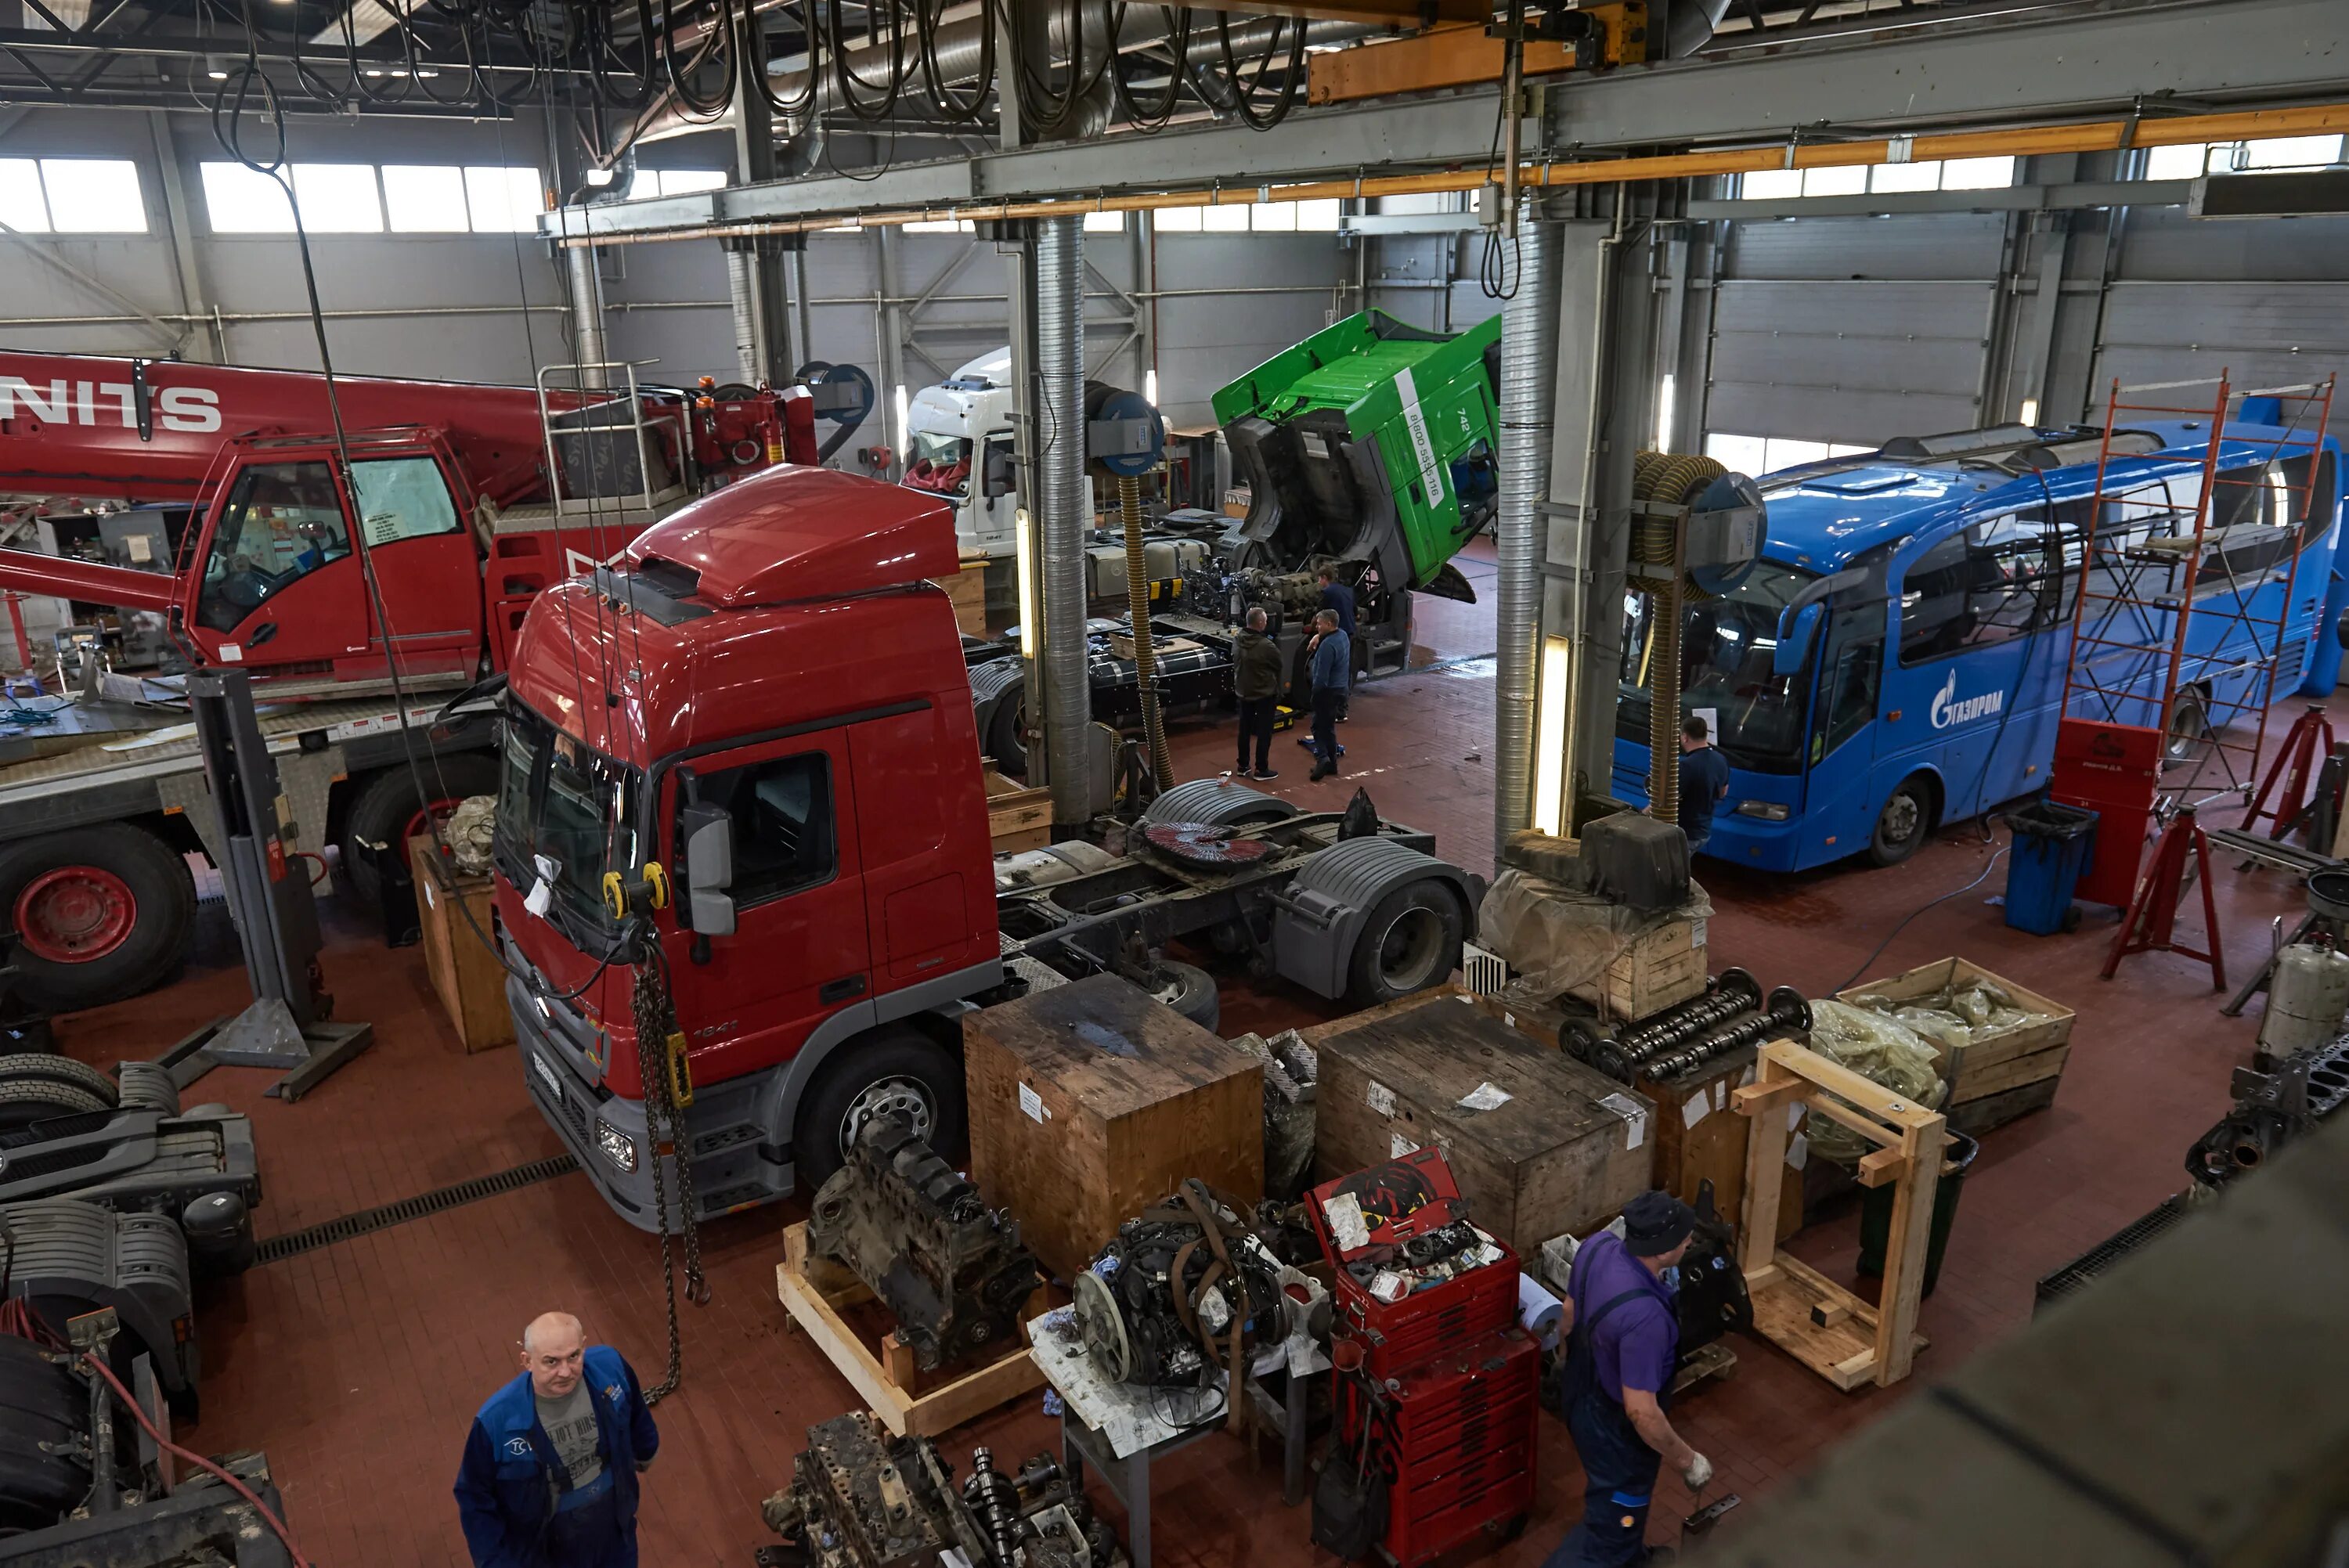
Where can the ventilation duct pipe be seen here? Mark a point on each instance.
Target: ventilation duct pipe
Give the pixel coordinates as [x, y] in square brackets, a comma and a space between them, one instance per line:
[1529, 414]
[1062, 514]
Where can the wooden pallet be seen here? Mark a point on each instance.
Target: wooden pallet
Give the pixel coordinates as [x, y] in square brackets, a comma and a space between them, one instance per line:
[816, 1290]
[1809, 1317]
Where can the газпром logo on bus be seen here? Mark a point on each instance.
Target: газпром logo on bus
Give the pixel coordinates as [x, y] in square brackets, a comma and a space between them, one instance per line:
[1949, 708]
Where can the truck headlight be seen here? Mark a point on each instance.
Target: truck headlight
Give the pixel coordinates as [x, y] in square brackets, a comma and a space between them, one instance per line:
[1768, 810]
[618, 1146]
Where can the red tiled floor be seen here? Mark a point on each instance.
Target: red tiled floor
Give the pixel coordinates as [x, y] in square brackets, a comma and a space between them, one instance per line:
[357, 1366]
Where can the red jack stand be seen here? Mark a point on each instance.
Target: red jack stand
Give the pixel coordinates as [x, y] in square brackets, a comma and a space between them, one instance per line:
[2305, 746]
[2153, 913]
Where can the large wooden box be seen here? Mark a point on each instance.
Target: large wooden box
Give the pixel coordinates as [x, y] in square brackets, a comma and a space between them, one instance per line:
[1091, 1101]
[2000, 1075]
[1017, 817]
[1563, 1152]
[1657, 970]
[466, 976]
[966, 591]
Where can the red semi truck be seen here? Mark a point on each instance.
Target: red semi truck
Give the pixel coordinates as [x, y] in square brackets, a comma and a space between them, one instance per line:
[766, 698]
[243, 534]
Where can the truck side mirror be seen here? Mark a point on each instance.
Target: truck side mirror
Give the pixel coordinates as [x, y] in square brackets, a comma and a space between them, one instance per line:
[996, 476]
[1797, 625]
[710, 869]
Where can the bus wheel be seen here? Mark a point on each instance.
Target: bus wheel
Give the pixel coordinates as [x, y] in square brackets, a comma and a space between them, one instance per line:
[2188, 728]
[1903, 823]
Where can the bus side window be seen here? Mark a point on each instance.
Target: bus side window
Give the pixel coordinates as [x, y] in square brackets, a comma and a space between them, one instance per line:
[1978, 587]
[1851, 679]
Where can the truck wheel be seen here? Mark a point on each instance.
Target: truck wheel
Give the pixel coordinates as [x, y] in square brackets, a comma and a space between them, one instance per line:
[895, 1070]
[27, 1100]
[100, 915]
[33, 1067]
[1411, 942]
[390, 808]
[1901, 826]
[1190, 991]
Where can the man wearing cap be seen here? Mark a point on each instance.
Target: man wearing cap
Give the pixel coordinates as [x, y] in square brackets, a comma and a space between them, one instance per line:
[1623, 1343]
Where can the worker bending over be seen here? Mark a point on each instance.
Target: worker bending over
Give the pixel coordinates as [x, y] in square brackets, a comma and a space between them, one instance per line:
[1623, 1346]
[549, 1478]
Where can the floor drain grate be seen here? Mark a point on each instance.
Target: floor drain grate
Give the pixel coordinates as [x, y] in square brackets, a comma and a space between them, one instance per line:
[325, 1234]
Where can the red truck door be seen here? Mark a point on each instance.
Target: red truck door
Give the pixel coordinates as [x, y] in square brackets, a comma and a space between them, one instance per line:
[799, 952]
[278, 581]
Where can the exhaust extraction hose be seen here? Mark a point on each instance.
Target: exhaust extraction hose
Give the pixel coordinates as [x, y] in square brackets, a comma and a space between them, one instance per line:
[1137, 611]
[1673, 479]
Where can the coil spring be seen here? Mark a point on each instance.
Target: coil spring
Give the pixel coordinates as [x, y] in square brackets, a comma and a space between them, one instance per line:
[1786, 1010]
[994, 1499]
[1735, 992]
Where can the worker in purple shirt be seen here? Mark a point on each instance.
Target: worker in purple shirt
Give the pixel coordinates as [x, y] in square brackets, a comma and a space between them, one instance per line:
[1623, 1346]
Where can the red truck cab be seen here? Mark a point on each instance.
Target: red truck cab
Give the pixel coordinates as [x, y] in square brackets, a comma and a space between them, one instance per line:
[766, 696]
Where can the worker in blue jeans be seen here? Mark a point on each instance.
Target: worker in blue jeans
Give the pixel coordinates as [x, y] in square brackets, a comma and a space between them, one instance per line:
[1623, 1346]
[1332, 650]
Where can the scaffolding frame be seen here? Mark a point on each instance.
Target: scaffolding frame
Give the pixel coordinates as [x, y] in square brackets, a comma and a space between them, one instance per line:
[2157, 580]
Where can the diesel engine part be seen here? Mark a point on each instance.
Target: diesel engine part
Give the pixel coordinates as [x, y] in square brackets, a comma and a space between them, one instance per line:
[1726, 994]
[1712, 1299]
[919, 1236]
[2270, 1110]
[1183, 1287]
[1787, 1011]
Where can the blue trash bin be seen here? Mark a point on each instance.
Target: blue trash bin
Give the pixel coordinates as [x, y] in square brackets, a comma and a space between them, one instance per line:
[2052, 844]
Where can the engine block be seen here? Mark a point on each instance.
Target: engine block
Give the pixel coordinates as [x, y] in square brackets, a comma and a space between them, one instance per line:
[920, 1238]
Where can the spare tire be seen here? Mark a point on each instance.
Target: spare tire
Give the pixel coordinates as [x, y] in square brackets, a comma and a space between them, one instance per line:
[35, 1067]
[1189, 990]
[27, 1101]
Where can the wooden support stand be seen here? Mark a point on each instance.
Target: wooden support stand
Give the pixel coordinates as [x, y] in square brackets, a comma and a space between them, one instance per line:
[1804, 1314]
[816, 1290]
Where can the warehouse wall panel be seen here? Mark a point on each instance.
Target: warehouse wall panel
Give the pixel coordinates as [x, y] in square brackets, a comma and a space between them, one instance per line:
[1853, 361]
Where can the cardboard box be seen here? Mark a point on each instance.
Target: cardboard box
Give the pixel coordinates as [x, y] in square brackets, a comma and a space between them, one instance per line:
[466, 976]
[1093, 1101]
[1541, 1144]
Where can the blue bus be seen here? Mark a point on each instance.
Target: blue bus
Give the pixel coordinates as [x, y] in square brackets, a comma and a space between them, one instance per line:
[1895, 660]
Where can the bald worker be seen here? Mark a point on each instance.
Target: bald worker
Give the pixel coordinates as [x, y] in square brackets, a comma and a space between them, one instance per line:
[549, 1479]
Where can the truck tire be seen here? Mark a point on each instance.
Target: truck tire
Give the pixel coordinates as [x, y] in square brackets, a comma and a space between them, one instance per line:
[1903, 826]
[34, 1067]
[101, 913]
[27, 1101]
[42, 1411]
[1190, 991]
[896, 1068]
[390, 808]
[1411, 942]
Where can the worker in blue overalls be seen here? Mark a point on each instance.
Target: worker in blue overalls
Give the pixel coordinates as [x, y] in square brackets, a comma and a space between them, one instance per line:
[1623, 1345]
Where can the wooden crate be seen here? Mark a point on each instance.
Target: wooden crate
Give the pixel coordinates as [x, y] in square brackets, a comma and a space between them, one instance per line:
[1986, 1075]
[966, 591]
[1562, 1154]
[816, 1290]
[466, 976]
[1018, 818]
[1121, 645]
[1091, 1101]
[1658, 969]
[1843, 1339]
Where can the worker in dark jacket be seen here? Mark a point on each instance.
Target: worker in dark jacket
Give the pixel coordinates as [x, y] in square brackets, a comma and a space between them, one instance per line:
[1256, 678]
[1337, 598]
[549, 1478]
[1623, 1336]
[1332, 651]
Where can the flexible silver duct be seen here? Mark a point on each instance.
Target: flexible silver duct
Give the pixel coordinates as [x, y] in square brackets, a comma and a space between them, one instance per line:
[1059, 444]
[588, 315]
[741, 293]
[1528, 415]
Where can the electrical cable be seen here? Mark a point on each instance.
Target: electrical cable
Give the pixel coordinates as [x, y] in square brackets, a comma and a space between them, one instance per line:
[1149, 119]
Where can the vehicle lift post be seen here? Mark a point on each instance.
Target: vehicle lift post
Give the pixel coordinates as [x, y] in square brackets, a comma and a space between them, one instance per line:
[270, 900]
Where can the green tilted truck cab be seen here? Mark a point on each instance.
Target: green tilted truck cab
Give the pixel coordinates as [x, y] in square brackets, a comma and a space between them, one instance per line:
[1371, 441]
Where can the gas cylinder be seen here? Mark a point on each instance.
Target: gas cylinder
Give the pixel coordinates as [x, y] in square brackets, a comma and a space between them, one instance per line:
[2305, 1000]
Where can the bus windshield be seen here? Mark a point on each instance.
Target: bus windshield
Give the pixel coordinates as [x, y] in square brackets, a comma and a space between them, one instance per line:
[1757, 717]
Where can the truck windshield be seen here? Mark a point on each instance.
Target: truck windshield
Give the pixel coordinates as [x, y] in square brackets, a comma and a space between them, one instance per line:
[1726, 645]
[564, 813]
[939, 464]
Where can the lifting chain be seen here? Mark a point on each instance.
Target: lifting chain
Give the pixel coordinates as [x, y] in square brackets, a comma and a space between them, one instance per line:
[662, 1063]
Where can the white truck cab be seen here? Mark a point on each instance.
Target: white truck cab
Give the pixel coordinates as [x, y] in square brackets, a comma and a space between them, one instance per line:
[958, 446]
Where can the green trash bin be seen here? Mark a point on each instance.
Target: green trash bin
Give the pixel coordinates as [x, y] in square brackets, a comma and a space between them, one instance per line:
[1876, 1213]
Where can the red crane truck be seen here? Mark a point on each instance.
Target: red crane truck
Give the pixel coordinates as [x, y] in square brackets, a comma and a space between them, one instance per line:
[244, 537]
[764, 697]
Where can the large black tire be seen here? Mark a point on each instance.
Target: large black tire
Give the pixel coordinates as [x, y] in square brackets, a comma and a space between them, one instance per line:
[896, 1068]
[1411, 942]
[388, 806]
[33, 1066]
[42, 1411]
[101, 913]
[1907, 819]
[1190, 991]
[38, 1099]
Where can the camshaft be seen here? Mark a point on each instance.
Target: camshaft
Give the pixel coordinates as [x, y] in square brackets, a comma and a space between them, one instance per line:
[1728, 994]
[1786, 1010]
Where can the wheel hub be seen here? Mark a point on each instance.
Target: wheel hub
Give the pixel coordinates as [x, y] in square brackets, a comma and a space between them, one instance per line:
[75, 914]
[891, 1096]
[1408, 947]
[1900, 819]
